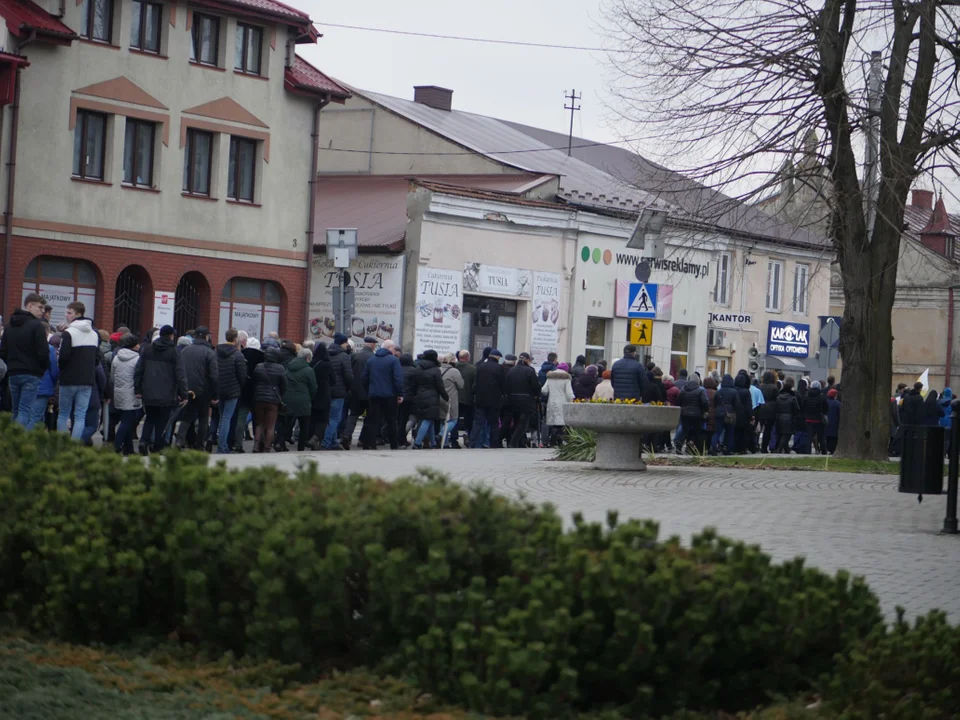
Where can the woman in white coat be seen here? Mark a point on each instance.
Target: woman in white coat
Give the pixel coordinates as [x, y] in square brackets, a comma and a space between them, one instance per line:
[559, 391]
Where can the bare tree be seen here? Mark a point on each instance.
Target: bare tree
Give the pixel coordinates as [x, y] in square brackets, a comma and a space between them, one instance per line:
[736, 85]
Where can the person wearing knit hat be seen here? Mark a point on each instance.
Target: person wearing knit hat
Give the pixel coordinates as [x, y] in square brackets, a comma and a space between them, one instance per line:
[833, 420]
[586, 383]
[604, 390]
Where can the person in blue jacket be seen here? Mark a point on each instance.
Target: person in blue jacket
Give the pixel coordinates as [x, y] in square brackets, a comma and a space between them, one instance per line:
[833, 420]
[946, 422]
[48, 384]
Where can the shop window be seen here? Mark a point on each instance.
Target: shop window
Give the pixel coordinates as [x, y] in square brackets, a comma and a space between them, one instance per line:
[249, 43]
[61, 281]
[250, 305]
[89, 145]
[96, 22]
[205, 39]
[138, 147]
[596, 340]
[145, 26]
[680, 349]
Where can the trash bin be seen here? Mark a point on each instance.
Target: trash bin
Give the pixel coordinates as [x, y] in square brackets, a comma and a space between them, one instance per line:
[921, 461]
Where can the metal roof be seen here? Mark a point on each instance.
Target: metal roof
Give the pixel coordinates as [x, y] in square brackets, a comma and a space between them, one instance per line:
[501, 142]
[23, 16]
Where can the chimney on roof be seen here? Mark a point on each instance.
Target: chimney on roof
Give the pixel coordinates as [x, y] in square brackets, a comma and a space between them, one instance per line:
[433, 96]
[922, 199]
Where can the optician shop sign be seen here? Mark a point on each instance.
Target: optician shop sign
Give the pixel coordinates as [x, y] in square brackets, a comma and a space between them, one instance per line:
[791, 339]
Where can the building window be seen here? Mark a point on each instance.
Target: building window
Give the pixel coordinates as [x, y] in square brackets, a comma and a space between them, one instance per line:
[145, 26]
[61, 281]
[679, 349]
[774, 285]
[138, 153]
[96, 22]
[248, 48]
[243, 163]
[596, 340]
[721, 291]
[206, 39]
[250, 305]
[89, 145]
[801, 277]
[197, 162]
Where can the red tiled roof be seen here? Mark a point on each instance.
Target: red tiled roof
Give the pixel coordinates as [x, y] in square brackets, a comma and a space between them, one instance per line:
[304, 76]
[24, 16]
[270, 8]
[939, 223]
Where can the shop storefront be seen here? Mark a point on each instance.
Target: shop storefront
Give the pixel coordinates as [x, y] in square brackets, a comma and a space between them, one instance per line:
[605, 287]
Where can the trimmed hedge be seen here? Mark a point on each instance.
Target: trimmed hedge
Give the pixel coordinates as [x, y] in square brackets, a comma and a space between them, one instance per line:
[485, 601]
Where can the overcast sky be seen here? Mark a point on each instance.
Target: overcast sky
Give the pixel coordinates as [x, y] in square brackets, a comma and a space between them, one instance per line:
[513, 83]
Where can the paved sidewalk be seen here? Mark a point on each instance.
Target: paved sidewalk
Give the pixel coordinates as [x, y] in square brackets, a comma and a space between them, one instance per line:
[835, 520]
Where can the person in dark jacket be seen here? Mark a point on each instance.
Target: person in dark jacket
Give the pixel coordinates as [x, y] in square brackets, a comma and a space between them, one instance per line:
[911, 410]
[48, 385]
[320, 411]
[253, 356]
[382, 379]
[161, 383]
[673, 390]
[579, 367]
[78, 358]
[726, 407]
[585, 384]
[932, 412]
[710, 390]
[269, 385]
[744, 413]
[340, 390]
[200, 365]
[297, 400]
[232, 367]
[549, 365]
[430, 390]
[767, 413]
[24, 350]
[787, 407]
[833, 420]
[468, 371]
[359, 398]
[489, 390]
[523, 390]
[98, 400]
[694, 406]
[406, 419]
[628, 376]
[814, 407]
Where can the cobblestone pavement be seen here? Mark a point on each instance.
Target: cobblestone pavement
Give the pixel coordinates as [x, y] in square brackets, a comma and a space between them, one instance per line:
[835, 520]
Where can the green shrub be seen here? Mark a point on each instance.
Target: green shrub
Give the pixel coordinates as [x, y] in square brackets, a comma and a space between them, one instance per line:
[580, 446]
[485, 601]
[900, 674]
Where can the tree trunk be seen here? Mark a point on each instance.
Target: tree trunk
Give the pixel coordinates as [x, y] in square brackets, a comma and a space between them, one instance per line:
[866, 344]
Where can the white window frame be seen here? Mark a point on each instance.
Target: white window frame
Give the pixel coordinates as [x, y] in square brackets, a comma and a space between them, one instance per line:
[774, 299]
[800, 295]
[721, 288]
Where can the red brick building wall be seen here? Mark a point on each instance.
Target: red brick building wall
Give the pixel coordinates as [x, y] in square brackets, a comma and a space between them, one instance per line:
[163, 272]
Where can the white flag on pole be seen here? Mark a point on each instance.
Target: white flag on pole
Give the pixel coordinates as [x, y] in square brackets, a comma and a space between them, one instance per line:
[925, 379]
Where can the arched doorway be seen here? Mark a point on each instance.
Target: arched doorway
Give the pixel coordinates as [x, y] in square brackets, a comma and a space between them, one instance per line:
[191, 302]
[61, 281]
[131, 299]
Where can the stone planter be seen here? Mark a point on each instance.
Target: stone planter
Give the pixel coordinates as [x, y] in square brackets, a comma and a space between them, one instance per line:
[618, 429]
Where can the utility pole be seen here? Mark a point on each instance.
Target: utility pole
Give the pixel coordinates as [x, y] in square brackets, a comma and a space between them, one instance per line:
[572, 107]
[871, 163]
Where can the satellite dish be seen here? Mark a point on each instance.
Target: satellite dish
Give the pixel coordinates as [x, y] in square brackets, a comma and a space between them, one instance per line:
[642, 271]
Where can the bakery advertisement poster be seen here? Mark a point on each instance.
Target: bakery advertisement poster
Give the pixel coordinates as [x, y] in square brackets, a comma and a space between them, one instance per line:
[545, 316]
[377, 281]
[438, 309]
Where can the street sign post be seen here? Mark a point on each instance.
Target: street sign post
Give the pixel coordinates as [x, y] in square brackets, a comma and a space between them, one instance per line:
[642, 301]
[640, 331]
[343, 306]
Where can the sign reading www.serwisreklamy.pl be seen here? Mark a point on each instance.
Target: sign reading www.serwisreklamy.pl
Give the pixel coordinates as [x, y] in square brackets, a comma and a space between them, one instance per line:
[785, 338]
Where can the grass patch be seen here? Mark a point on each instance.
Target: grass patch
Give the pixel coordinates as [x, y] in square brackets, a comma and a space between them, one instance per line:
[787, 462]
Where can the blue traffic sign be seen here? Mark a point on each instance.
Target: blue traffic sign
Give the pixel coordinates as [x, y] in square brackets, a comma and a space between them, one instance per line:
[642, 301]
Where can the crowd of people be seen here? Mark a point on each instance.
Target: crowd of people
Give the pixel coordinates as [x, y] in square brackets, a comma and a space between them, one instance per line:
[910, 406]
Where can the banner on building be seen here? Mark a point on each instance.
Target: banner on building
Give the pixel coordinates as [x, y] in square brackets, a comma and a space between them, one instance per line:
[545, 318]
[163, 304]
[483, 279]
[789, 339]
[438, 307]
[377, 281]
[59, 296]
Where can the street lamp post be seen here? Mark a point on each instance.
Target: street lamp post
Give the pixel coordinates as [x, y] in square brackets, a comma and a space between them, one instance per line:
[953, 470]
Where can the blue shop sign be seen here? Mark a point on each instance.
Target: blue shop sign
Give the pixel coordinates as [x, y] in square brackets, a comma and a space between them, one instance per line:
[791, 339]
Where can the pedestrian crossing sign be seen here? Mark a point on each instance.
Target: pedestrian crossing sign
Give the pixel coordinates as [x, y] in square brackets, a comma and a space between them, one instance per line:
[641, 331]
[642, 301]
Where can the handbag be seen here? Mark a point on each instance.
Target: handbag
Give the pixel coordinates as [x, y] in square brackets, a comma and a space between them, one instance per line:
[730, 417]
[283, 409]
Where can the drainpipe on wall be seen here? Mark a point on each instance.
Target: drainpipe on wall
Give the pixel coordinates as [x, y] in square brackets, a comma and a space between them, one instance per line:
[8, 212]
[946, 382]
[312, 202]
